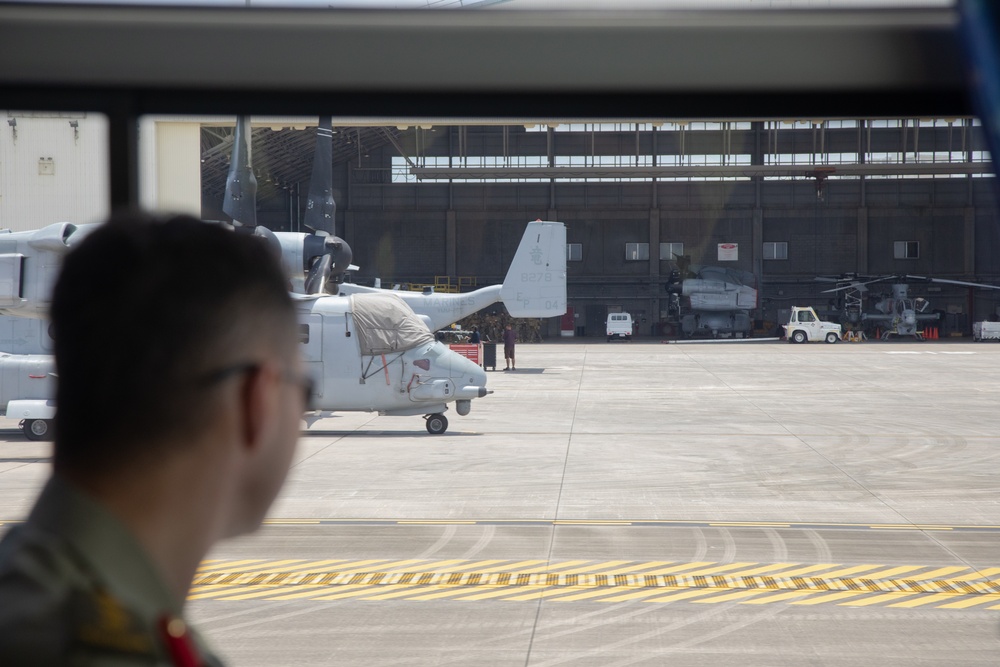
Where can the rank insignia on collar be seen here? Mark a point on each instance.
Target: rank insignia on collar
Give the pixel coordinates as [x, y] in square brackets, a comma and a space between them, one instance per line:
[102, 623]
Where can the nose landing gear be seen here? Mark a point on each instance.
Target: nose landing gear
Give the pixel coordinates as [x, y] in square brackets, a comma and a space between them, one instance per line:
[436, 423]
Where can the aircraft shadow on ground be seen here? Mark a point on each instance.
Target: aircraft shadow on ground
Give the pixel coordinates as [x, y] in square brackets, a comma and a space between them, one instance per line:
[522, 371]
[387, 434]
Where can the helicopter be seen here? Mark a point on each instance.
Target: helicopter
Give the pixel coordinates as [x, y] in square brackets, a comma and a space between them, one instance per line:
[897, 313]
[720, 299]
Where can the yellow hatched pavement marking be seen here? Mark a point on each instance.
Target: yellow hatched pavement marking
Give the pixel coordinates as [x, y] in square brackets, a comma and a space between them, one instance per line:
[251, 592]
[618, 596]
[931, 598]
[877, 599]
[837, 574]
[779, 597]
[553, 591]
[833, 597]
[726, 598]
[762, 569]
[903, 586]
[315, 591]
[684, 595]
[942, 572]
[885, 574]
[973, 602]
[358, 590]
[718, 568]
[806, 570]
[210, 566]
[591, 593]
[679, 568]
[518, 567]
[560, 590]
[988, 572]
[403, 590]
[561, 568]
[384, 592]
[644, 593]
[224, 586]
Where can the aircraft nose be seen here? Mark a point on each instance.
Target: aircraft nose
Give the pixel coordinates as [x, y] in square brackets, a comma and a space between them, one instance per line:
[468, 373]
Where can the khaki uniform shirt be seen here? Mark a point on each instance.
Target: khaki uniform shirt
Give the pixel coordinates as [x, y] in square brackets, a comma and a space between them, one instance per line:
[76, 589]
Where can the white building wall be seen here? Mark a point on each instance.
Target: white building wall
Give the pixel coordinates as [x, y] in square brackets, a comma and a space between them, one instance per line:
[170, 164]
[51, 171]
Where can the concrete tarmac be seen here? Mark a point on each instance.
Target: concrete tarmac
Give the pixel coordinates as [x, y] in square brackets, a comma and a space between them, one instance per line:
[633, 504]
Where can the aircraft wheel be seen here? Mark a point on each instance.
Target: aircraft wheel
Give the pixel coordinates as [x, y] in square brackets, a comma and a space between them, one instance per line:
[437, 424]
[832, 337]
[37, 429]
[799, 337]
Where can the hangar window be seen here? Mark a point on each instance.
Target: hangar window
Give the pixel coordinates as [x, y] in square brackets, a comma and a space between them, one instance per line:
[636, 252]
[574, 252]
[906, 249]
[775, 250]
[671, 251]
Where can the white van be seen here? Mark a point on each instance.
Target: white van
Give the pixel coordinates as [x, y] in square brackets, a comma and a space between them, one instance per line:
[619, 325]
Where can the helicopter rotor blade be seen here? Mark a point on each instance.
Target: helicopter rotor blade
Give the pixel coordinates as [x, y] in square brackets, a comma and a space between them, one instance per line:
[320, 206]
[319, 274]
[857, 285]
[240, 202]
[952, 282]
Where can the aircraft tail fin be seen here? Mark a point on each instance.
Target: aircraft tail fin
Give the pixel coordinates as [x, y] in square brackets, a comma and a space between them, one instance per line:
[535, 285]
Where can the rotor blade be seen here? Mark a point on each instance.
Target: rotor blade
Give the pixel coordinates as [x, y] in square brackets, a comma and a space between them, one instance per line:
[953, 282]
[856, 285]
[240, 202]
[320, 207]
[319, 274]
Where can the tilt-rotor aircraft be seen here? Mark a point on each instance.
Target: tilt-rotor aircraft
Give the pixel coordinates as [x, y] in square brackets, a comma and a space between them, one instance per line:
[367, 350]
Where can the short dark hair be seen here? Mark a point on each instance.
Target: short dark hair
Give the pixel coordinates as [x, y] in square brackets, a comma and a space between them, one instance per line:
[144, 310]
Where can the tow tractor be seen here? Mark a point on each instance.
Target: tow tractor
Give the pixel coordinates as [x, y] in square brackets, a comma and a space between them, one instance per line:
[804, 326]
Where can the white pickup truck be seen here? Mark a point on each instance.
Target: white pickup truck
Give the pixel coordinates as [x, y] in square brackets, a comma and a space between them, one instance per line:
[805, 326]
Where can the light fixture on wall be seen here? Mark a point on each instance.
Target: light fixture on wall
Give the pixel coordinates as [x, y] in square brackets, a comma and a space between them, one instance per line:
[75, 124]
[13, 127]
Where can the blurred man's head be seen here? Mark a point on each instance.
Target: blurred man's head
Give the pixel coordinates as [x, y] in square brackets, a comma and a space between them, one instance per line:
[159, 327]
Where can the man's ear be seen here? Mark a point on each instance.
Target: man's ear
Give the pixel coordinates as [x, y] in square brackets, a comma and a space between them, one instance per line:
[257, 400]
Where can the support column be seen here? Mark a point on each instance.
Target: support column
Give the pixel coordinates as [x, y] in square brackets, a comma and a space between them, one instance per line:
[451, 244]
[654, 270]
[862, 237]
[970, 242]
[757, 248]
[123, 158]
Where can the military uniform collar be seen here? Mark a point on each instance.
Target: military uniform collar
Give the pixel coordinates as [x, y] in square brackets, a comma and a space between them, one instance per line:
[108, 548]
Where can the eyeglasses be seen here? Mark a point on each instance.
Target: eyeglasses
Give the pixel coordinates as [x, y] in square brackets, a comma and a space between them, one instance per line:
[305, 383]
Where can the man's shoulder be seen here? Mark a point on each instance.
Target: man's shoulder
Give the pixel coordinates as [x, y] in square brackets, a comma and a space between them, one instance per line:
[54, 611]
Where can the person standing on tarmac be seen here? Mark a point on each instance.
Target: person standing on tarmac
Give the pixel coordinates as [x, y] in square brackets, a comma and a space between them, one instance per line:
[509, 338]
[179, 398]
